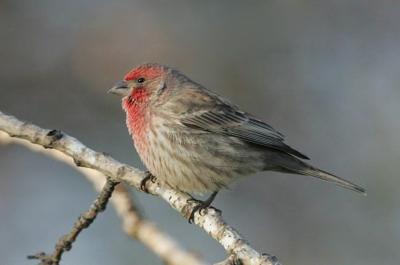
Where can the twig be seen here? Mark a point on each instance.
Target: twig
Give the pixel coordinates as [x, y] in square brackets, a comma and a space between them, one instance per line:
[211, 222]
[133, 224]
[84, 221]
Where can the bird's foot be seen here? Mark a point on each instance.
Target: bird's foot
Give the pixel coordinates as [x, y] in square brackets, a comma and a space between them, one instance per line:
[202, 206]
[144, 181]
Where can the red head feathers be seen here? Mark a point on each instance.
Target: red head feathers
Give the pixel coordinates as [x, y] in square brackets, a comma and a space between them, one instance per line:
[147, 71]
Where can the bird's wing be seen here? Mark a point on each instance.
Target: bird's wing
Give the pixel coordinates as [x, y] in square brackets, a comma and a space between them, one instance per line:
[226, 119]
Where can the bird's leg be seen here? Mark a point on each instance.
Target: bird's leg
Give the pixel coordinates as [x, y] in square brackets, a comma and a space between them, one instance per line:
[202, 205]
[148, 177]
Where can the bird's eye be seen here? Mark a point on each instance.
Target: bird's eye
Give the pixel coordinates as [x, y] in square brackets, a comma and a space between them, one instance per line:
[140, 80]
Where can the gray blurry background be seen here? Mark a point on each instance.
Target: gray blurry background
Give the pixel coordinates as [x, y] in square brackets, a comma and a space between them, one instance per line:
[325, 73]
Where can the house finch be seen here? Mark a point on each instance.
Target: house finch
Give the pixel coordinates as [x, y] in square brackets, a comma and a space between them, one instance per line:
[193, 140]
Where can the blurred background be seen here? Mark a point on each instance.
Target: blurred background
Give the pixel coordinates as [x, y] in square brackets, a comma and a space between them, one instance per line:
[325, 73]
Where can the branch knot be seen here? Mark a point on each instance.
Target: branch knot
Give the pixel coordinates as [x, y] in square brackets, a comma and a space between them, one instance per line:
[53, 136]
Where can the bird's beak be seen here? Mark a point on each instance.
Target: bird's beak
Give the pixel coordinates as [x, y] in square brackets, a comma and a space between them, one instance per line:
[120, 88]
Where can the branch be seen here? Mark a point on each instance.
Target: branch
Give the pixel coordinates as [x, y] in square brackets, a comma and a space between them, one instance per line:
[83, 156]
[133, 224]
[84, 221]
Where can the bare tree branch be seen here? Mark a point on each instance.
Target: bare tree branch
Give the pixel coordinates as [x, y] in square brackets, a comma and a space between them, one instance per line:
[84, 221]
[133, 223]
[83, 156]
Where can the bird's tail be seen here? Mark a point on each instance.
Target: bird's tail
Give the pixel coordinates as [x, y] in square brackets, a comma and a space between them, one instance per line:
[318, 173]
[296, 166]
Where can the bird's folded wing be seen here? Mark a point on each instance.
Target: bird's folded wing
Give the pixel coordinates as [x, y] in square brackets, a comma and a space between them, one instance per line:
[229, 121]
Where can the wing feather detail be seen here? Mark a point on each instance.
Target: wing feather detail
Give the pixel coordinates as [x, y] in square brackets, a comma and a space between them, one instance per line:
[229, 121]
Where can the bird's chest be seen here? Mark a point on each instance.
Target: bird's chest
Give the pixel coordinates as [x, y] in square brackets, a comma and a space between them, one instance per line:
[138, 123]
[159, 151]
[146, 132]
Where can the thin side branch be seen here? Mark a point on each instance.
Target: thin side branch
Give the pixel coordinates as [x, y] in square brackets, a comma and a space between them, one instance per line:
[133, 224]
[84, 221]
[211, 222]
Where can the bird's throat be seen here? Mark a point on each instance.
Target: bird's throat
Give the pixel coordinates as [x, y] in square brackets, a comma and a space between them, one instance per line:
[137, 120]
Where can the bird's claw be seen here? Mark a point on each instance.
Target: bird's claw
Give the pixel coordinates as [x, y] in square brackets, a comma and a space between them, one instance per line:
[193, 200]
[198, 208]
[144, 181]
[201, 208]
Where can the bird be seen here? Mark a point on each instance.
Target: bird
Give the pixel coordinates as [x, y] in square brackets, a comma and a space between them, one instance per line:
[196, 141]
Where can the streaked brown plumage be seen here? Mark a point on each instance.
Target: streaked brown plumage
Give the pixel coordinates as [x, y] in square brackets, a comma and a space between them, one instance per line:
[196, 141]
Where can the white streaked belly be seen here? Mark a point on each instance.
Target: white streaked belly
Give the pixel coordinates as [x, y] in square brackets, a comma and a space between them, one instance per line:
[199, 163]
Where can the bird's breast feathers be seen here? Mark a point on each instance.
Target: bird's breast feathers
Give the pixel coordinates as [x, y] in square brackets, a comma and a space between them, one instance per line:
[192, 161]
